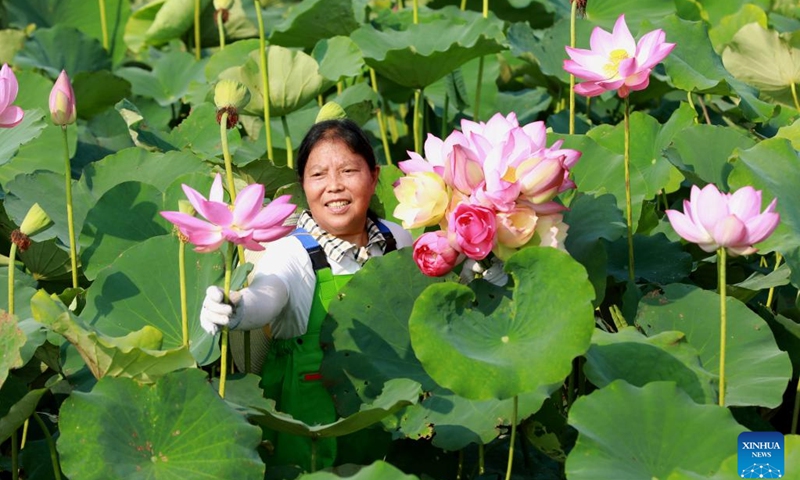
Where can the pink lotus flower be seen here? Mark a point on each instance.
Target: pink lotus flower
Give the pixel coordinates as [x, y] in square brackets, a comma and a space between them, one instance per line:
[246, 224]
[423, 199]
[616, 61]
[62, 101]
[434, 255]
[10, 115]
[712, 219]
[472, 228]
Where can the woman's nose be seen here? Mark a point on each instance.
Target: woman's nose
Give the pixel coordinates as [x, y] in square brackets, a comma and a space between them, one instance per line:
[335, 183]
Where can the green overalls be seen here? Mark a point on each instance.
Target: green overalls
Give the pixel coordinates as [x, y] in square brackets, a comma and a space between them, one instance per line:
[291, 375]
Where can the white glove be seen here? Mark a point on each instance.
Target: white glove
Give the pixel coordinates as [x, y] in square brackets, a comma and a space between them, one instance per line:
[216, 313]
[494, 274]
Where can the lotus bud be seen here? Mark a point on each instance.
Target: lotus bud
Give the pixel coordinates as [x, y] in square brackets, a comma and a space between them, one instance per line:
[223, 4]
[62, 101]
[35, 221]
[330, 111]
[230, 96]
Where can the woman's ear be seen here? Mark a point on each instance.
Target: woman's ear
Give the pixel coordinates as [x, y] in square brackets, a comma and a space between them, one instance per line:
[375, 176]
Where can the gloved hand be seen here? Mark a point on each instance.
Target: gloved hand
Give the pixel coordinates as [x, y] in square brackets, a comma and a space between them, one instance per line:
[216, 313]
[494, 274]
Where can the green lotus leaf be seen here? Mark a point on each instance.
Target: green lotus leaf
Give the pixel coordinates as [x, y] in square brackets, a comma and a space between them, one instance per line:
[338, 58]
[765, 59]
[657, 259]
[137, 355]
[313, 20]
[272, 176]
[773, 167]
[628, 355]
[722, 33]
[791, 133]
[172, 20]
[141, 289]
[606, 12]
[11, 42]
[139, 24]
[96, 92]
[200, 133]
[701, 153]
[176, 428]
[35, 93]
[397, 394]
[24, 288]
[384, 201]
[359, 102]
[17, 404]
[12, 138]
[630, 432]
[545, 48]
[715, 11]
[379, 470]
[169, 79]
[484, 347]
[142, 134]
[752, 357]
[12, 339]
[232, 55]
[45, 50]
[423, 53]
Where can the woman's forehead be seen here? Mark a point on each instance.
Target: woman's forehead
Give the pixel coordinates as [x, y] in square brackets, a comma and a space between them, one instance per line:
[329, 153]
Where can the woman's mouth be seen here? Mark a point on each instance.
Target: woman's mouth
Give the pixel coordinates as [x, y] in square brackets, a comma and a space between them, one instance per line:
[338, 205]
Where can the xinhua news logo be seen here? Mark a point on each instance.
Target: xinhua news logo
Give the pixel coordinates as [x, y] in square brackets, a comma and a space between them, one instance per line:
[761, 455]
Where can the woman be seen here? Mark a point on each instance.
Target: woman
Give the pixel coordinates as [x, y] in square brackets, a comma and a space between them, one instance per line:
[298, 275]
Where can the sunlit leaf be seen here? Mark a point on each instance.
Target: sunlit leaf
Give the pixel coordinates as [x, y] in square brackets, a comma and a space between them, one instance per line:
[338, 58]
[12, 339]
[314, 20]
[45, 50]
[172, 20]
[169, 78]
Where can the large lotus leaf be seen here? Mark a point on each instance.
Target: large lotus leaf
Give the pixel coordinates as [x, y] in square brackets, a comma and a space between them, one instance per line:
[232, 55]
[379, 470]
[177, 428]
[268, 174]
[460, 86]
[104, 237]
[142, 133]
[657, 259]
[313, 20]
[694, 66]
[397, 394]
[425, 52]
[80, 14]
[756, 370]
[37, 154]
[11, 42]
[96, 92]
[12, 339]
[791, 133]
[45, 49]
[701, 153]
[200, 133]
[716, 10]
[606, 12]
[139, 23]
[527, 104]
[24, 289]
[359, 102]
[137, 355]
[169, 79]
[384, 201]
[495, 347]
[773, 166]
[47, 261]
[338, 58]
[765, 59]
[141, 288]
[546, 47]
[17, 404]
[172, 20]
[628, 355]
[12, 138]
[630, 432]
[722, 33]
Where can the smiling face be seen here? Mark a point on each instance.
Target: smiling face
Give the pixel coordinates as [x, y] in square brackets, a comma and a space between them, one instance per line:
[338, 185]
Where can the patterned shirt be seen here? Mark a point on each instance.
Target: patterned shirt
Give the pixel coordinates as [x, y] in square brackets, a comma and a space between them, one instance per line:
[334, 247]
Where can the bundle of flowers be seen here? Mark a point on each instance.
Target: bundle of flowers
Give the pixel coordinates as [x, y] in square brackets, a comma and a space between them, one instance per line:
[490, 187]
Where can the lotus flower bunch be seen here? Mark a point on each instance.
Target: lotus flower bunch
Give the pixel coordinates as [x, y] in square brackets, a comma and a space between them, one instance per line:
[247, 222]
[489, 187]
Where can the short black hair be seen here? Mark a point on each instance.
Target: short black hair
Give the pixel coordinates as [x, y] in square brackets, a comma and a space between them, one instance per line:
[342, 129]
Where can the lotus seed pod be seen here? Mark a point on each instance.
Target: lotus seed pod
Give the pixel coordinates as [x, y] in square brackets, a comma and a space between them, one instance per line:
[330, 111]
[35, 221]
[230, 93]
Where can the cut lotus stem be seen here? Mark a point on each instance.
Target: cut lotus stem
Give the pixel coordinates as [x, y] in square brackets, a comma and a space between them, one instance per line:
[73, 253]
[263, 70]
[381, 120]
[103, 23]
[723, 330]
[513, 437]
[628, 209]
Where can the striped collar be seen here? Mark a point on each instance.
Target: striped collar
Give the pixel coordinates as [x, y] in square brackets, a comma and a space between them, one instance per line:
[337, 249]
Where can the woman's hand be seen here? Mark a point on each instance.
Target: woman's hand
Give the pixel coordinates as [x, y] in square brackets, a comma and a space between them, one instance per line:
[216, 313]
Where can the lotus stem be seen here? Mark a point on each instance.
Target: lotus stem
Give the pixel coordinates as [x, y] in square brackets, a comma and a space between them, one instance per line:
[460, 471]
[628, 209]
[12, 256]
[444, 115]
[288, 138]
[339, 87]
[478, 91]
[262, 66]
[415, 6]
[221, 32]
[25, 426]
[704, 109]
[313, 455]
[722, 322]
[381, 121]
[50, 444]
[226, 289]
[416, 123]
[572, 41]
[481, 459]
[73, 253]
[778, 258]
[184, 308]
[796, 412]
[513, 437]
[485, 8]
[226, 154]
[463, 5]
[14, 456]
[103, 25]
[794, 97]
[197, 29]
[691, 104]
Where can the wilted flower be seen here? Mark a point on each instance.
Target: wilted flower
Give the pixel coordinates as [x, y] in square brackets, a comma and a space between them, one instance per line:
[472, 228]
[434, 255]
[230, 96]
[423, 199]
[712, 219]
[246, 223]
[10, 115]
[62, 101]
[616, 61]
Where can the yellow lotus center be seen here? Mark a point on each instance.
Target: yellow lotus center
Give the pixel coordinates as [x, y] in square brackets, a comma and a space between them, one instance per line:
[510, 175]
[611, 69]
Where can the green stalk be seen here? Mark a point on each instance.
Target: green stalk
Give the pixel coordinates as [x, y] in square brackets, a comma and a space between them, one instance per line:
[477, 108]
[415, 122]
[197, 29]
[12, 256]
[463, 5]
[485, 8]
[481, 460]
[444, 115]
[223, 368]
[288, 138]
[381, 121]
[722, 323]
[50, 444]
[778, 258]
[416, 11]
[513, 437]
[628, 209]
[221, 31]
[573, 13]
[14, 456]
[184, 308]
[794, 97]
[313, 454]
[262, 67]
[226, 154]
[73, 254]
[796, 412]
[103, 25]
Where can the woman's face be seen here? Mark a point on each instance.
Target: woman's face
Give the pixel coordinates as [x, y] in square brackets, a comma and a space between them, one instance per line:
[339, 185]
